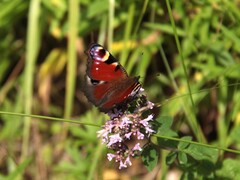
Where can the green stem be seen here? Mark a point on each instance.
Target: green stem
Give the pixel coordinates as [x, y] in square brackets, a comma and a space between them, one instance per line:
[72, 57]
[180, 51]
[140, 18]
[72, 61]
[95, 161]
[198, 143]
[127, 32]
[190, 113]
[32, 47]
[110, 23]
[49, 118]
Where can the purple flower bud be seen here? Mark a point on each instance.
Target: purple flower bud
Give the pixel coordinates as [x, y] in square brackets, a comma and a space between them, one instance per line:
[125, 121]
[122, 165]
[149, 131]
[127, 161]
[114, 139]
[140, 135]
[110, 156]
[137, 147]
[144, 122]
[128, 135]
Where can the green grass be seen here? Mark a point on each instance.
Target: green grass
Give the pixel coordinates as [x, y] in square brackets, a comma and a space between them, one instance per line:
[186, 52]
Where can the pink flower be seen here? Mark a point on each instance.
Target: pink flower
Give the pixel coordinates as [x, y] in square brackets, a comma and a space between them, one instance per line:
[150, 105]
[114, 139]
[149, 131]
[140, 135]
[127, 161]
[110, 156]
[137, 147]
[114, 113]
[144, 122]
[126, 124]
[128, 135]
[125, 121]
[122, 165]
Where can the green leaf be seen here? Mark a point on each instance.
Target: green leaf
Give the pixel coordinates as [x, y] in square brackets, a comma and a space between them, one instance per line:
[187, 175]
[182, 158]
[166, 143]
[165, 121]
[171, 157]
[97, 8]
[183, 145]
[166, 28]
[19, 170]
[150, 157]
[202, 153]
[229, 169]
[231, 35]
[235, 134]
[205, 168]
[164, 126]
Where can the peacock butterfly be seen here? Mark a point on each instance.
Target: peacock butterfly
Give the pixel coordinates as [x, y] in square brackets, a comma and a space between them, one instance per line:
[107, 84]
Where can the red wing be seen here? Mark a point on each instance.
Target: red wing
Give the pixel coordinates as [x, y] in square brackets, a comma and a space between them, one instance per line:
[103, 66]
[105, 72]
[118, 97]
[108, 95]
[107, 83]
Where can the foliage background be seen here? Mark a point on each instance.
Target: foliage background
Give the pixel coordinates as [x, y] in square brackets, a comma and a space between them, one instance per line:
[41, 74]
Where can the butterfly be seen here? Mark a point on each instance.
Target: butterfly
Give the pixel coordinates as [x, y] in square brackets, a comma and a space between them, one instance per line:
[107, 84]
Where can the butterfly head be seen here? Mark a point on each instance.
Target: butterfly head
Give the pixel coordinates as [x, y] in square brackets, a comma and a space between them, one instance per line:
[97, 52]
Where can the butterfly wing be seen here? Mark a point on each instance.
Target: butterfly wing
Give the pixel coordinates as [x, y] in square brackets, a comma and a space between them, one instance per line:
[107, 95]
[107, 84]
[103, 66]
[119, 93]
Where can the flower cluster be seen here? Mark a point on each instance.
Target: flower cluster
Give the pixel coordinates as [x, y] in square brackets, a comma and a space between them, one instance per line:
[127, 131]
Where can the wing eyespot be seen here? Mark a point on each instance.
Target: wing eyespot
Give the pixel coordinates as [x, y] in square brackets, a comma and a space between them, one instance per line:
[94, 82]
[102, 52]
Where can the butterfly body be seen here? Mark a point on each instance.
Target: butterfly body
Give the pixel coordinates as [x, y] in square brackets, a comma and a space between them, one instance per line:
[107, 85]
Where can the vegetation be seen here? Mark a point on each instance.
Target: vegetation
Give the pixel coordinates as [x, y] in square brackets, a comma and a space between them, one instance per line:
[186, 53]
